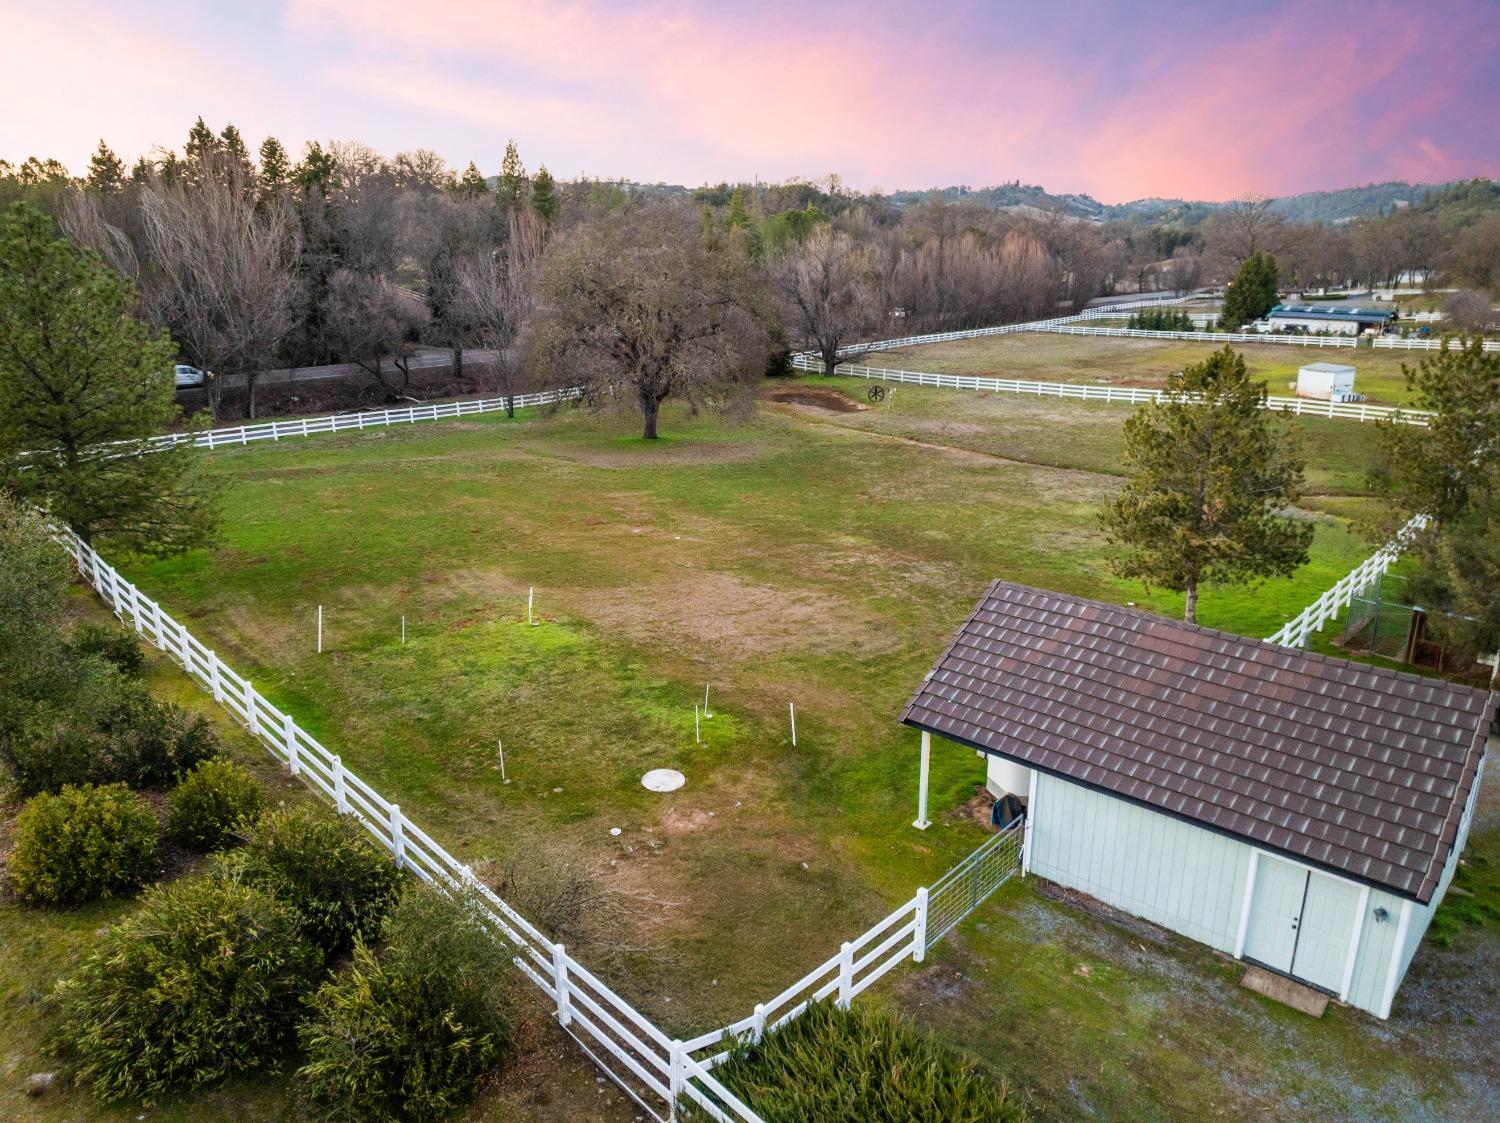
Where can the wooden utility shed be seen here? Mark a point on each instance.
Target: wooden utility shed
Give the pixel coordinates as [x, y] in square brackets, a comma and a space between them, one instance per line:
[1297, 811]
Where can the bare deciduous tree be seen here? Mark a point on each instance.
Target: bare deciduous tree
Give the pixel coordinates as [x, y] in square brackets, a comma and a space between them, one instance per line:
[636, 309]
[219, 273]
[1469, 310]
[826, 284]
[370, 319]
[497, 295]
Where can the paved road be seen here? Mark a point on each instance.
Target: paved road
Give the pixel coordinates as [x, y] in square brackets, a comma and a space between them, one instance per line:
[426, 358]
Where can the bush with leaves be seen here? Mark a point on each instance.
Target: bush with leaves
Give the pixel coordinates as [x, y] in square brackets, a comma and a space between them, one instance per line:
[113, 731]
[82, 844]
[326, 868]
[403, 1033]
[865, 1063]
[214, 802]
[113, 644]
[204, 982]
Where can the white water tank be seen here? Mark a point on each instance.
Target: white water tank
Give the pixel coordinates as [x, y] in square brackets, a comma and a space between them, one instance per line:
[1006, 777]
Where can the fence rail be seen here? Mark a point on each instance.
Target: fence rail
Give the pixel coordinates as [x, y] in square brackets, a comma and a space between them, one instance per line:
[1129, 395]
[657, 1071]
[1297, 631]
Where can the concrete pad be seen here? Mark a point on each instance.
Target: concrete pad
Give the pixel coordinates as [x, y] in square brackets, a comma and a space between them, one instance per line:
[1286, 991]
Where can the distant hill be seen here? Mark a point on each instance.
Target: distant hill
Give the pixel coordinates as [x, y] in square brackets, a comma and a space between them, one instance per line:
[1311, 206]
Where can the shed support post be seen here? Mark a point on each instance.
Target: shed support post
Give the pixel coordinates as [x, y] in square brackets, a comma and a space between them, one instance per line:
[921, 823]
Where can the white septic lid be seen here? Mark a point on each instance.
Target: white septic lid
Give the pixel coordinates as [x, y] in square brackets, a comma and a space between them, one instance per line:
[663, 780]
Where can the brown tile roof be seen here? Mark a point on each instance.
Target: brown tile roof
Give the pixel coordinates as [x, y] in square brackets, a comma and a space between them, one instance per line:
[1358, 769]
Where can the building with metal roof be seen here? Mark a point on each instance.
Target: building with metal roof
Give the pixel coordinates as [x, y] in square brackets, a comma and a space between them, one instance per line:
[1300, 812]
[1345, 319]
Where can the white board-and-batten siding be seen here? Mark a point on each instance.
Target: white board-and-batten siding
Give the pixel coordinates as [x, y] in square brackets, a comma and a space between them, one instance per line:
[1193, 881]
[1142, 862]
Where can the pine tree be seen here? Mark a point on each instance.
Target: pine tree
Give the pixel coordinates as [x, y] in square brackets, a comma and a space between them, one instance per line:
[235, 155]
[275, 168]
[199, 153]
[471, 184]
[1211, 472]
[106, 171]
[84, 388]
[544, 197]
[514, 185]
[739, 216]
[1252, 293]
[318, 169]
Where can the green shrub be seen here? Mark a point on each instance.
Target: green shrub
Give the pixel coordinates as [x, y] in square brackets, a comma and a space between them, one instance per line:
[114, 733]
[82, 844]
[151, 744]
[115, 645]
[205, 981]
[863, 1063]
[326, 868]
[214, 801]
[404, 1033]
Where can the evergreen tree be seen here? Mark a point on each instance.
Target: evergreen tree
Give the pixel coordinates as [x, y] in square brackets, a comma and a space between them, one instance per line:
[84, 389]
[275, 168]
[318, 169]
[1252, 293]
[106, 171]
[739, 214]
[237, 157]
[1211, 472]
[199, 153]
[1450, 471]
[514, 186]
[544, 198]
[471, 184]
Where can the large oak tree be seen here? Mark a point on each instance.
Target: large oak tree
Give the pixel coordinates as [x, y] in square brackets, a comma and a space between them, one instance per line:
[635, 308]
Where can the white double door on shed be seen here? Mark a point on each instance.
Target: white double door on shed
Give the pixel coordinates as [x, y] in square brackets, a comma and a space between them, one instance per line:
[1301, 922]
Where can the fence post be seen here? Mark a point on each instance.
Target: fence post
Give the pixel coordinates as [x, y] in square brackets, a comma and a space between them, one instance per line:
[185, 649]
[215, 683]
[340, 792]
[758, 1027]
[251, 715]
[676, 1076]
[846, 975]
[398, 836]
[289, 740]
[560, 983]
[161, 632]
[919, 937]
[135, 609]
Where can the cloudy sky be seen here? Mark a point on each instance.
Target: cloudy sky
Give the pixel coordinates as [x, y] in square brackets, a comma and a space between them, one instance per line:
[1121, 100]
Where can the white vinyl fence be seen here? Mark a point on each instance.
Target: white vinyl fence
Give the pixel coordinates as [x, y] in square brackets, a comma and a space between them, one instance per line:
[1128, 395]
[657, 1071]
[1295, 632]
[367, 419]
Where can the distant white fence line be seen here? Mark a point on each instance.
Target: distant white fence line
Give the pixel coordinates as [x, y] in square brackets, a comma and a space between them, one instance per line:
[1129, 395]
[657, 1071]
[1296, 632]
[366, 419]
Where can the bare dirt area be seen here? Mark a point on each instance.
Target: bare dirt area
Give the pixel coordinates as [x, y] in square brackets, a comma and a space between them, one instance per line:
[725, 613]
[814, 397]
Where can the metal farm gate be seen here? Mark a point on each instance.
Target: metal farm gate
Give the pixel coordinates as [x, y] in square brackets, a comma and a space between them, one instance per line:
[970, 883]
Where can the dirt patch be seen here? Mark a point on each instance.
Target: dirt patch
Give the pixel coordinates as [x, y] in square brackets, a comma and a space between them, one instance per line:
[643, 453]
[815, 396]
[725, 613]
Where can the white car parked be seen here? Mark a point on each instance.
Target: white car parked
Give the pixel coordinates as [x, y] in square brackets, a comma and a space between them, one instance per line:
[187, 376]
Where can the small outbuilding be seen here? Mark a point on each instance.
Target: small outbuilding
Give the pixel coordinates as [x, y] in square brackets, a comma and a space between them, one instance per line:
[1300, 812]
[1326, 382]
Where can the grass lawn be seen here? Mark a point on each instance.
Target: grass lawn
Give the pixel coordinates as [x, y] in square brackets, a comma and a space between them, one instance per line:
[814, 555]
[1110, 361]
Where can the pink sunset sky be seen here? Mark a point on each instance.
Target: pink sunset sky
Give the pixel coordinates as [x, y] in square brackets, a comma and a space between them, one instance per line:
[1120, 100]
